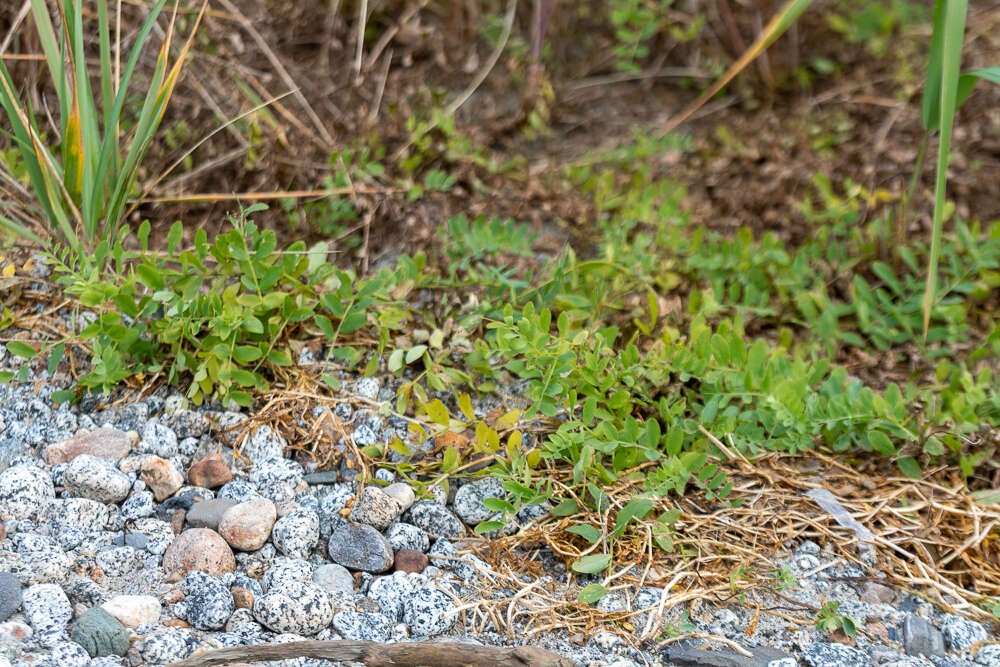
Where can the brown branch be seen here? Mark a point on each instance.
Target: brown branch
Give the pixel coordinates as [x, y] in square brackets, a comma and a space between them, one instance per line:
[373, 654]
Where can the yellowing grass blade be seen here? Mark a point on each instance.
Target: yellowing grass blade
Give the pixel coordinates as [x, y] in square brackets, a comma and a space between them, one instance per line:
[785, 17]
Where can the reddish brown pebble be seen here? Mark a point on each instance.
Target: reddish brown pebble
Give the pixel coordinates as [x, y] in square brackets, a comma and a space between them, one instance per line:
[105, 443]
[3, 532]
[248, 525]
[358, 580]
[170, 597]
[177, 521]
[176, 623]
[162, 477]
[210, 472]
[242, 597]
[198, 549]
[410, 560]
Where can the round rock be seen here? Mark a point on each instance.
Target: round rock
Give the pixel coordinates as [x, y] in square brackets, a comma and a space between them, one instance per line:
[297, 607]
[828, 654]
[98, 479]
[247, 526]
[22, 490]
[210, 472]
[47, 608]
[407, 536]
[208, 603]
[960, 633]
[198, 549]
[162, 477]
[360, 547]
[436, 519]
[100, 633]
[469, 499]
[334, 579]
[105, 443]
[208, 513]
[427, 612]
[374, 508]
[296, 533]
[363, 627]
[402, 493]
[133, 610]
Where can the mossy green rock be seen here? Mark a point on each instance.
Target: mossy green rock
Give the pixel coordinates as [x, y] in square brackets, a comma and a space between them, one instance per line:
[100, 633]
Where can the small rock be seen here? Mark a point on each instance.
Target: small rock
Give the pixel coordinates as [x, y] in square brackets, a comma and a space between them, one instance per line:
[296, 533]
[158, 439]
[210, 472]
[285, 570]
[177, 522]
[960, 634]
[374, 508]
[69, 654]
[763, 656]
[427, 612]
[363, 627]
[100, 633]
[469, 499]
[367, 388]
[208, 513]
[133, 610]
[407, 536]
[360, 547]
[402, 493]
[334, 579]
[97, 479]
[436, 519]
[47, 608]
[825, 654]
[391, 594]
[410, 560]
[10, 595]
[876, 593]
[198, 549]
[22, 491]
[920, 637]
[170, 645]
[326, 477]
[162, 477]
[989, 655]
[105, 443]
[247, 526]
[298, 607]
[263, 444]
[277, 479]
[208, 603]
[242, 598]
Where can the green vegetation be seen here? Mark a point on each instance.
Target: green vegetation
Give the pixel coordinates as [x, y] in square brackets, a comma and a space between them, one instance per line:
[829, 619]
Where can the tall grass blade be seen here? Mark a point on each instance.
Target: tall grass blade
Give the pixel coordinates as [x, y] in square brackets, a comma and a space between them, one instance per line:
[779, 23]
[949, 25]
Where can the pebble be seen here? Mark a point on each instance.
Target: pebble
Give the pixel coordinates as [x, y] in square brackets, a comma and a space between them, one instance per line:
[391, 594]
[198, 549]
[139, 505]
[208, 603]
[826, 654]
[158, 439]
[402, 494]
[297, 533]
[23, 490]
[47, 608]
[427, 612]
[168, 645]
[263, 444]
[367, 388]
[407, 536]
[277, 479]
[162, 477]
[297, 607]
[410, 560]
[105, 443]
[84, 514]
[285, 570]
[210, 472]
[242, 597]
[374, 508]
[239, 490]
[960, 634]
[469, 499]
[133, 610]
[186, 423]
[208, 513]
[436, 519]
[334, 579]
[247, 526]
[360, 547]
[989, 655]
[363, 626]
[100, 633]
[920, 637]
[67, 654]
[97, 479]
[10, 595]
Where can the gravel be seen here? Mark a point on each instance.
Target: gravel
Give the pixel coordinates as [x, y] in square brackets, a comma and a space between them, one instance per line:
[93, 553]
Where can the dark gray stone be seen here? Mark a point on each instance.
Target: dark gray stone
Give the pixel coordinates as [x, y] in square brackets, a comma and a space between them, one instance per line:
[100, 633]
[920, 637]
[360, 547]
[763, 656]
[327, 477]
[10, 595]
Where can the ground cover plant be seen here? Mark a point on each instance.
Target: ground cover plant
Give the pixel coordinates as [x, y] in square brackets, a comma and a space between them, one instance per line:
[652, 355]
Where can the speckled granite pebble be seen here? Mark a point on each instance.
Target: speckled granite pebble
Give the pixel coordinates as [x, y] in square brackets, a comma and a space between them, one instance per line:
[98, 479]
[826, 654]
[427, 612]
[297, 533]
[208, 603]
[374, 508]
[297, 607]
[22, 491]
[363, 627]
[435, 518]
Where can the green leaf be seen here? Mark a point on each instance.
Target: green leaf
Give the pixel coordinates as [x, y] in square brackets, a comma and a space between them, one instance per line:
[488, 527]
[591, 594]
[465, 405]
[246, 353]
[55, 357]
[498, 505]
[63, 395]
[6, 376]
[880, 443]
[451, 459]
[395, 362]
[279, 358]
[592, 564]
[909, 467]
[636, 508]
[565, 508]
[241, 398]
[586, 531]
[437, 412]
[415, 353]
[21, 349]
